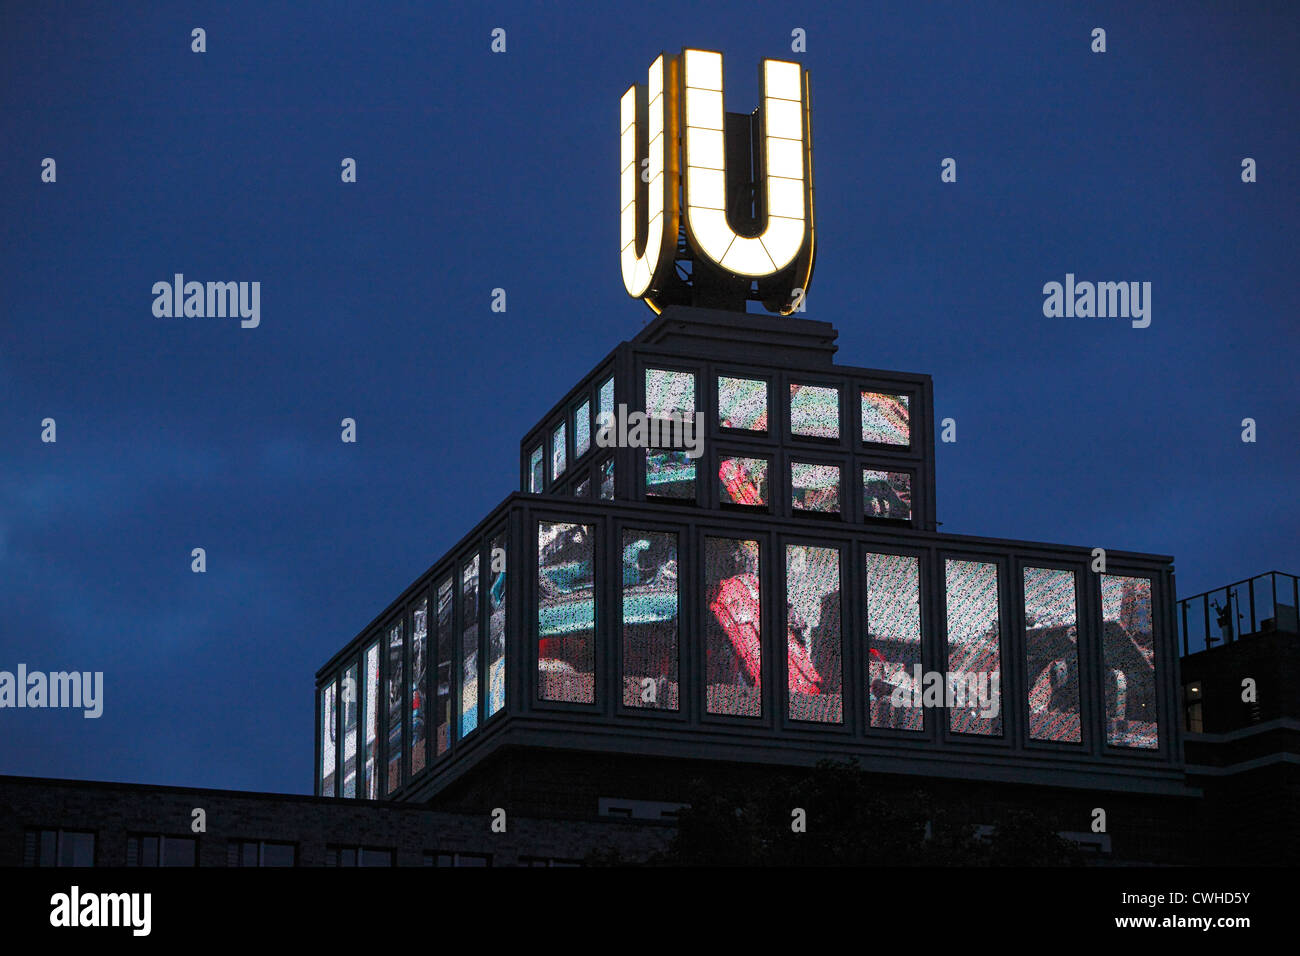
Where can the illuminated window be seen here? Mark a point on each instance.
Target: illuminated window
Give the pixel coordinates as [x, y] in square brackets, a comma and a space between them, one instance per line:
[328, 740]
[566, 612]
[650, 621]
[417, 691]
[159, 850]
[815, 487]
[582, 430]
[582, 489]
[1128, 662]
[1193, 708]
[887, 494]
[893, 623]
[742, 403]
[607, 480]
[669, 393]
[743, 481]
[396, 694]
[469, 642]
[1052, 655]
[370, 720]
[536, 476]
[558, 451]
[446, 664]
[669, 474]
[348, 703]
[814, 660]
[733, 628]
[605, 408]
[885, 419]
[973, 694]
[496, 669]
[814, 411]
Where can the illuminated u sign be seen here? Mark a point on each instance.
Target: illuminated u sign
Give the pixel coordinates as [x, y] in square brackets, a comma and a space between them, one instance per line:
[770, 257]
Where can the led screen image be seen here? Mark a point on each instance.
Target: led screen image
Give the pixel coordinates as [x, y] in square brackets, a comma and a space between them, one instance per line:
[893, 622]
[743, 481]
[885, 419]
[887, 494]
[1052, 655]
[607, 480]
[815, 487]
[566, 612]
[814, 660]
[814, 411]
[558, 451]
[370, 720]
[742, 403]
[974, 647]
[650, 621]
[582, 430]
[1128, 662]
[605, 402]
[396, 691]
[536, 480]
[669, 474]
[496, 672]
[328, 738]
[469, 634]
[733, 640]
[668, 393]
[417, 692]
[446, 657]
[348, 704]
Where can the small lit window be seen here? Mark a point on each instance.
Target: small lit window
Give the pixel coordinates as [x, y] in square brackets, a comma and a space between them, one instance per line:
[815, 488]
[536, 476]
[814, 411]
[558, 451]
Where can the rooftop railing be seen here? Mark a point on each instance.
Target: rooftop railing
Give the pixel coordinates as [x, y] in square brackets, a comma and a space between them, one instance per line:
[1263, 604]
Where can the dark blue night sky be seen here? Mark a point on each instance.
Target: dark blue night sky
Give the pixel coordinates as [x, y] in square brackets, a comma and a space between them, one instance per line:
[478, 171]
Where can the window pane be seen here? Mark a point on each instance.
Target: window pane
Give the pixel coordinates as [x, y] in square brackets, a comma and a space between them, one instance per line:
[277, 854]
[446, 663]
[416, 689]
[328, 744]
[650, 597]
[813, 657]
[893, 586]
[669, 474]
[668, 393]
[496, 674]
[733, 627]
[348, 693]
[1128, 662]
[887, 494]
[371, 857]
[149, 851]
[607, 480]
[396, 694]
[815, 487]
[606, 400]
[1052, 655]
[48, 855]
[558, 452]
[370, 718]
[742, 403]
[566, 612]
[582, 489]
[469, 641]
[743, 481]
[885, 419]
[536, 476]
[76, 849]
[179, 851]
[582, 430]
[814, 411]
[974, 698]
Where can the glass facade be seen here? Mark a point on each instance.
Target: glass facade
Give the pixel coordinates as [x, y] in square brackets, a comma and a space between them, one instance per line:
[972, 691]
[559, 452]
[887, 494]
[733, 628]
[329, 742]
[536, 471]
[814, 411]
[370, 720]
[1128, 662]
[814, 659]
[743, 481]
[650, 620]
[393, 700]
[496, 659]
[349, 693]
[815, 487]
[566, 612]
[582, 430]
[1052, 655]
[885, 419]
[893, 624]
[418, 692]
[742, 403]
[446, 673]
[469, 644]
